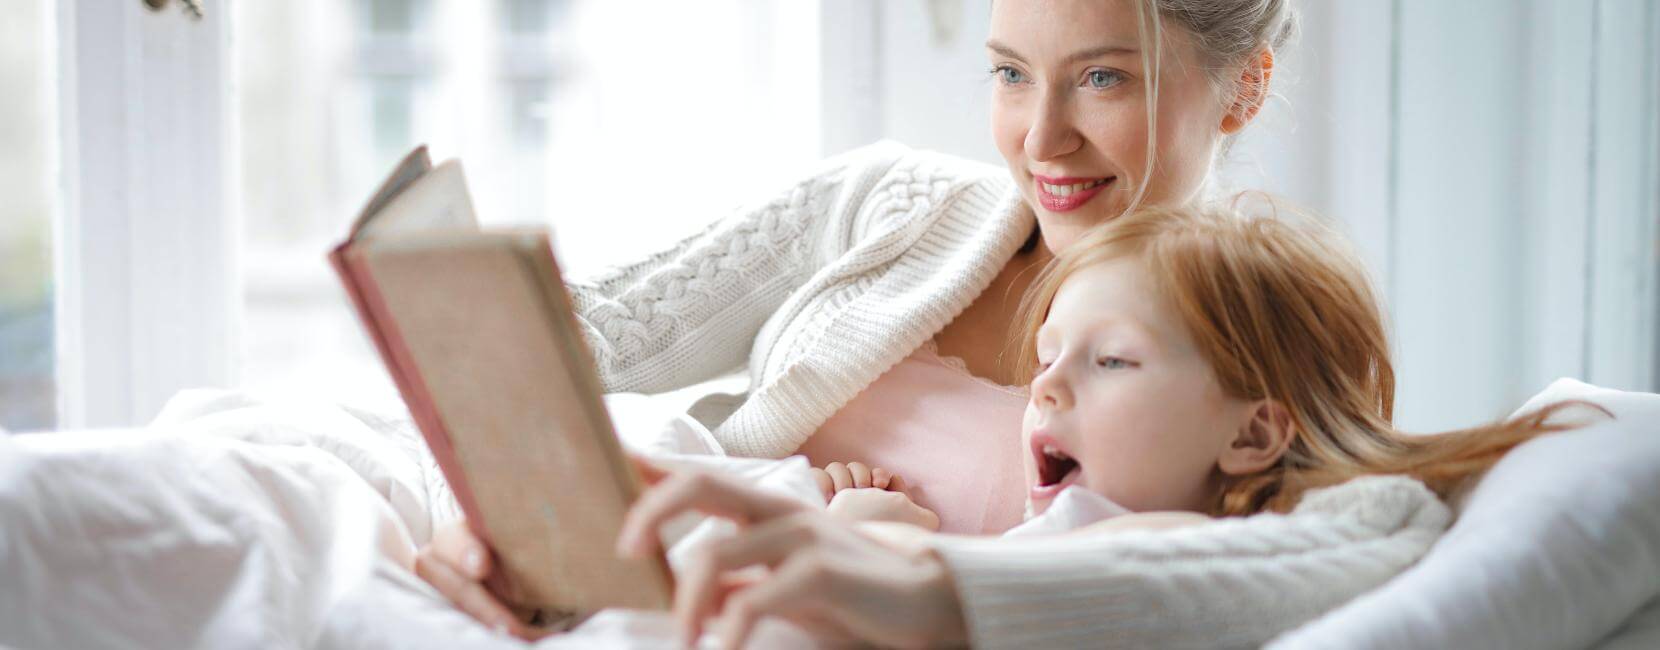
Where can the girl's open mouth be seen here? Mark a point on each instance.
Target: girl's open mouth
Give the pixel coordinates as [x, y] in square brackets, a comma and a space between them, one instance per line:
[1063, 194]
[1056, 470]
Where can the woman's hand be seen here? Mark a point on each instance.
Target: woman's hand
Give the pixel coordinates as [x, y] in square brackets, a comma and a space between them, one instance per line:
[460, 566]
[457, 564]
[822, 571]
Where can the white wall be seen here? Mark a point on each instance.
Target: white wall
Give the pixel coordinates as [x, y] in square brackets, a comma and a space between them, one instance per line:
[1465, 147]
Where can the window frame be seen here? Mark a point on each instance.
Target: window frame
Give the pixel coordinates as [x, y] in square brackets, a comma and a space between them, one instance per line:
[146, 238]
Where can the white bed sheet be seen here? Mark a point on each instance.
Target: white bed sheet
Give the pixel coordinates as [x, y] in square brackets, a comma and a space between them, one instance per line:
[234, 523]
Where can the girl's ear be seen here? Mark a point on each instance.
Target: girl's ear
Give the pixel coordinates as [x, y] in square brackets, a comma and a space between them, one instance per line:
[1250, 93]
[1260, 442]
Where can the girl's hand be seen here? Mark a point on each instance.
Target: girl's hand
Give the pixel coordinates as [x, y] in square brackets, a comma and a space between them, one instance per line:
[823, 572]
[871, 504]
[836, 477]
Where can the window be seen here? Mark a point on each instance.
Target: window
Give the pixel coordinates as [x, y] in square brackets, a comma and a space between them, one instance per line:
[679, 118]
[27, 124]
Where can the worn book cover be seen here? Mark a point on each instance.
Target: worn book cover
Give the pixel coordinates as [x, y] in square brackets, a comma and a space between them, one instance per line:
[478, 332]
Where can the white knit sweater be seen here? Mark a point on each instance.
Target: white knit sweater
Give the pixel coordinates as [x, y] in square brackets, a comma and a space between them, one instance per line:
[1232, 583]
[839, 277]
[819, 290]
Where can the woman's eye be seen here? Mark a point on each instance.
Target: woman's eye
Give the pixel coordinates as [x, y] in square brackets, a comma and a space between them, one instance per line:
[1112, 363]
[1103, 79]
[1008, 75]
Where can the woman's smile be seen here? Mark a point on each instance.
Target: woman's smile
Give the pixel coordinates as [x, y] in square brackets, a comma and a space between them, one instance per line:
[1061, 194]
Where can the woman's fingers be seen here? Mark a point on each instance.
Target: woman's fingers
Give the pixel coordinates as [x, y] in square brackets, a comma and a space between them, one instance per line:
[455, 544]
[794, 588]
[699, 586]
[840, 475]
[469, 595]
[897, 484]
[861, 474]
[879, 478]
[649, 473]
[706, 493]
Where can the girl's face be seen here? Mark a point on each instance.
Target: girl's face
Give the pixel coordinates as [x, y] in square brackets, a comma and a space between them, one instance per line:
[1124, 403]
[1069, 111]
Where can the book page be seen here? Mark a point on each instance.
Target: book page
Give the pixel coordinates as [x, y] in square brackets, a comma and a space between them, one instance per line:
[438, 200]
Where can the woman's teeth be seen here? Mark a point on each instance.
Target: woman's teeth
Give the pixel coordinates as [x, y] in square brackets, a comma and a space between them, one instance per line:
[1067, 190]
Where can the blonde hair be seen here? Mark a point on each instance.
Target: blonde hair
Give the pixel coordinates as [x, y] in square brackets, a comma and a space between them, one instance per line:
[1283, 311]
[1227, 35]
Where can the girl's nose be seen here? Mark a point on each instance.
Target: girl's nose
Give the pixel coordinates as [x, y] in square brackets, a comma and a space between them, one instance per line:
[1051, 134]
[1050, 390]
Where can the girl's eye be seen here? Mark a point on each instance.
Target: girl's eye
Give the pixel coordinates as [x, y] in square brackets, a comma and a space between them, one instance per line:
[1008, 75]
[1103, 79]
[1113, 363]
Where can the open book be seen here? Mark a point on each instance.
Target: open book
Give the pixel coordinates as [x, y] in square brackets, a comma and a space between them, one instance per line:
[478, 332]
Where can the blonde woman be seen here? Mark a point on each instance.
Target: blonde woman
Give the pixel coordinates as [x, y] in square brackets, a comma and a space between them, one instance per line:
[891, 278]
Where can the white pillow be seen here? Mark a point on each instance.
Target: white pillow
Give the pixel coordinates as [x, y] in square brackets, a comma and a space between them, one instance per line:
[1556, 547]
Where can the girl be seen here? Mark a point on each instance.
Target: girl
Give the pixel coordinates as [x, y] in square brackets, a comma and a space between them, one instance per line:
[1187, 363]
[1203, 361]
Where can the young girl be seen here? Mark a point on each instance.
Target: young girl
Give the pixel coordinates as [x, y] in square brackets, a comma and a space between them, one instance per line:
[1204, 362]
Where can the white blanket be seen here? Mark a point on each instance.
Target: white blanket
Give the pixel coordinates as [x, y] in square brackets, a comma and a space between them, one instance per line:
[231, 523]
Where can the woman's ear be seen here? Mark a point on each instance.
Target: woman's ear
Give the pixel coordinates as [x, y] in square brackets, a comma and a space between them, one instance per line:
[1250, 93]
[1261, 441]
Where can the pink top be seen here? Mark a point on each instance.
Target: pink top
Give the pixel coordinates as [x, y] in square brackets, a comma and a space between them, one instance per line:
[954, 437]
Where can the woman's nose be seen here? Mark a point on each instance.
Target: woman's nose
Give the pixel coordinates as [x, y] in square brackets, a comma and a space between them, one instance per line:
[1051, 134]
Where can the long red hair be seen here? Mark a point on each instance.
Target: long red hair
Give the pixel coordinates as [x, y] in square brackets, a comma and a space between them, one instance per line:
[1284, 310]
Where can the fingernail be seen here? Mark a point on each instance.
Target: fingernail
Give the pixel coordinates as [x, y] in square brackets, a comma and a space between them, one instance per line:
[474, 560]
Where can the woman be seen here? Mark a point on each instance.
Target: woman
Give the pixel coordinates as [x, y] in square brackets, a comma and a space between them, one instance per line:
[845, 292]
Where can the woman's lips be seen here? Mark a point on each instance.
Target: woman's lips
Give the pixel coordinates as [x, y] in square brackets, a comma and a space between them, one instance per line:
[1061, 194]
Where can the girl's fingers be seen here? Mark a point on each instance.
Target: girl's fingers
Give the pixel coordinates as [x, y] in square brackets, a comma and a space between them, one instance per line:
[706, 493]
[861, 474]
[840, 475]
[879, 478]
[698, 588]
[468, 595]
[897, 484]
[825, 485]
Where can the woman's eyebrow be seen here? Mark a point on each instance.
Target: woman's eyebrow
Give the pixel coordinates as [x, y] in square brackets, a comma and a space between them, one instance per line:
[1081, 55]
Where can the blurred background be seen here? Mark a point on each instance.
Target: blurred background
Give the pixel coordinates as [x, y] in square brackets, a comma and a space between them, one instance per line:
[169, 186]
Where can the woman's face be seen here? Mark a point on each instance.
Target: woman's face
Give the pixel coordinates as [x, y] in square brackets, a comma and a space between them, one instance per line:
[1125, 403]
[1069, 111]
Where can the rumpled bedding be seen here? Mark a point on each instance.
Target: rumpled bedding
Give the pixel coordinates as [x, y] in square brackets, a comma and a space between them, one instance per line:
[230, 522]
[236, 522]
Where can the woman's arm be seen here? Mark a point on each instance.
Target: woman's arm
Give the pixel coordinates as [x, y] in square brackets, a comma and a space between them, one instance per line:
[688, 313]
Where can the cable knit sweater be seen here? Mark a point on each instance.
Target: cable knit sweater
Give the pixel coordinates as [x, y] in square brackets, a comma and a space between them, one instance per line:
[819, 290]
[839, 277]
[1232, 583]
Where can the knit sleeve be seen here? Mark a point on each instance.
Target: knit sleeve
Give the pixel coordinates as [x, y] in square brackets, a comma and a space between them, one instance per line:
[1231, 583]
[692, 311]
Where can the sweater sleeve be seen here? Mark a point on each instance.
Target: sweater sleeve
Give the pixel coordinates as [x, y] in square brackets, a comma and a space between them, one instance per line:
[1235, 582]
[692, 311]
